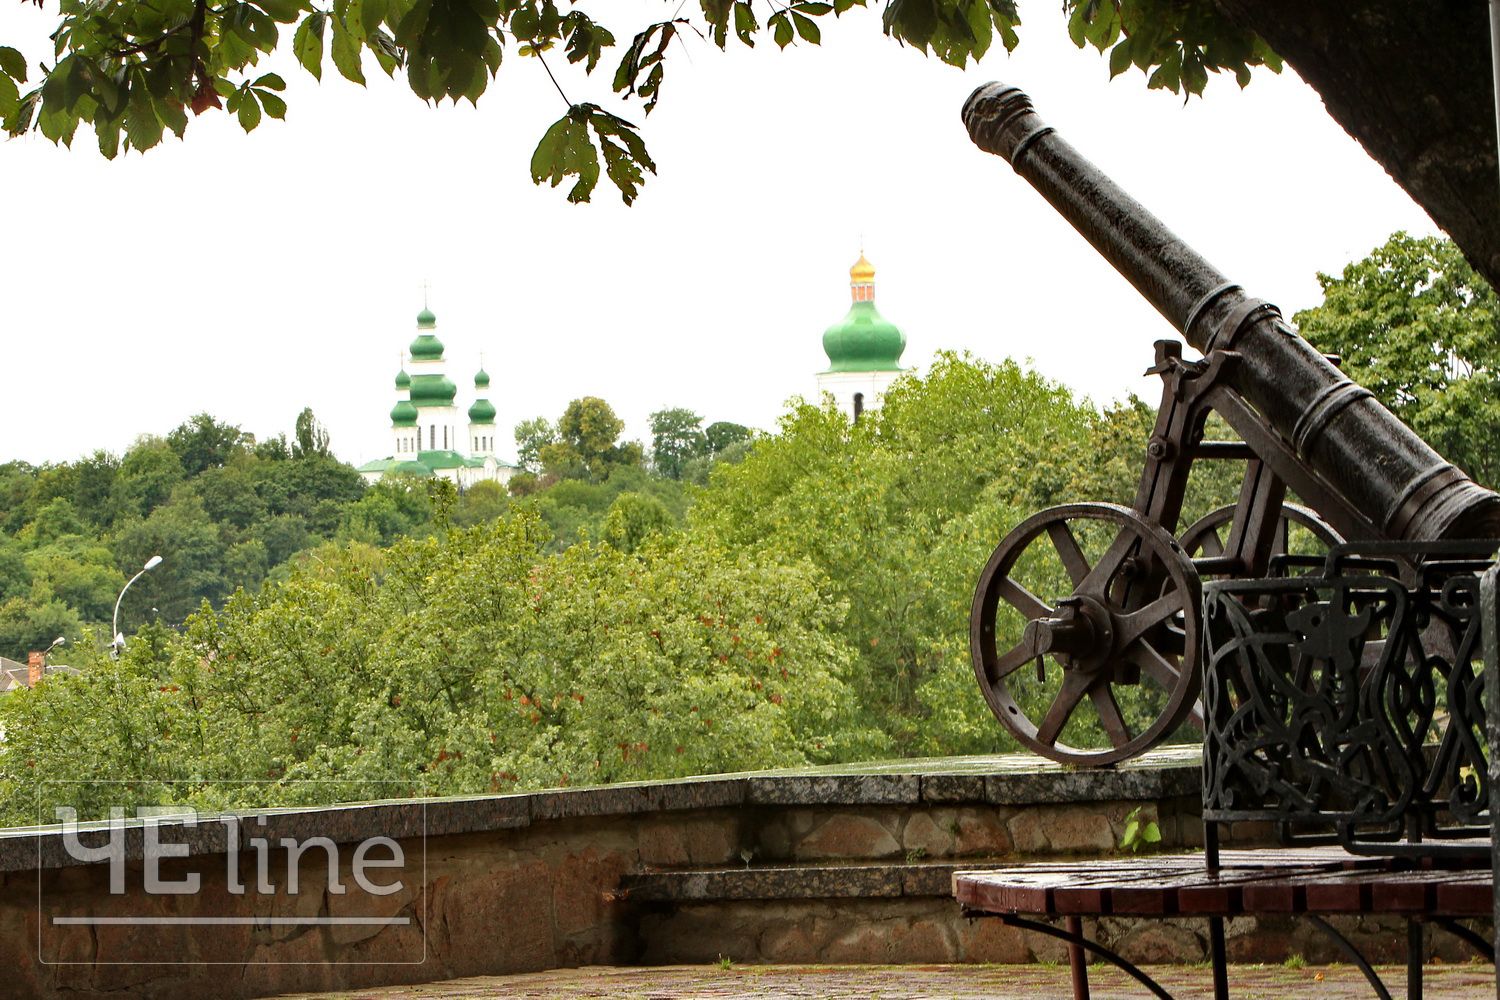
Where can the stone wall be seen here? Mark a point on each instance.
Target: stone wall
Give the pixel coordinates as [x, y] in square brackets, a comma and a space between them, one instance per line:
[824, 865]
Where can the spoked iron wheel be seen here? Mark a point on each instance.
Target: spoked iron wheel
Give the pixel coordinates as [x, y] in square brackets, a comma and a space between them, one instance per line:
[1299, 532]
[1106, 672]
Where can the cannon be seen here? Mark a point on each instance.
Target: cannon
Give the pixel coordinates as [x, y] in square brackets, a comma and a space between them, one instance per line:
[1085, 627]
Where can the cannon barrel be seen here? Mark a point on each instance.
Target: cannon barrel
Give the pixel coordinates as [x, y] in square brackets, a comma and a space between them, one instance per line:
[1358, 447]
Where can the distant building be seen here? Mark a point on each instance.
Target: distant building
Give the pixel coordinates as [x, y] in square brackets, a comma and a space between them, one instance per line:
[15, 675]
[864, 349]
[427, 437]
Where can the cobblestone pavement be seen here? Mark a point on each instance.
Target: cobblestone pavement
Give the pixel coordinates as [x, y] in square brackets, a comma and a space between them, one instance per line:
[926, 982]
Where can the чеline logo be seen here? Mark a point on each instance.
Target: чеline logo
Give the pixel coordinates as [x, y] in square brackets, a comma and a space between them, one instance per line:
[179, 888]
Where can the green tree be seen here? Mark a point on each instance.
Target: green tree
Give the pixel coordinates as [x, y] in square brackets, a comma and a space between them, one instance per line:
[484, 501]
[1419, 328]
[633, 518]
[93, 485]
[192, 551]
[899, 511]
[531, 437]
[677, 437]
[15, 578]
[148, 473]
[721, 434]
[310, 438]
[587, 442]
[201, 442]
[133, 73]
[700, 661]
[17, 482]
[273, 449]
[78, 571]
[26, 626]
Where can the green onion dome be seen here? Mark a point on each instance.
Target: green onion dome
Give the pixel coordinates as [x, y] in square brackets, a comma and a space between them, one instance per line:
[426, 348]
[864, 342]
[482, 380]
[482, 412]
[432, 390]
[403, 380]
[403, 414]
[425, 319]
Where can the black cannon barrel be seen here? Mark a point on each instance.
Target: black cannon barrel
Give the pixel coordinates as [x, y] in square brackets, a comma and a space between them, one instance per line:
[1363, 451]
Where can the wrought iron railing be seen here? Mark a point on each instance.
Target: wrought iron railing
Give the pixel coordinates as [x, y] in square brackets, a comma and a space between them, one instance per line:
[1348, 704]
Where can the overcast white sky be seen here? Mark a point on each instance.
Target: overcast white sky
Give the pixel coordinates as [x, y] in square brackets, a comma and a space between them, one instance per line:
[250, 276]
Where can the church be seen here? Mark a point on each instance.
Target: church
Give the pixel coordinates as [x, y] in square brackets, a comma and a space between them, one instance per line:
[864, 349]
[427, 437]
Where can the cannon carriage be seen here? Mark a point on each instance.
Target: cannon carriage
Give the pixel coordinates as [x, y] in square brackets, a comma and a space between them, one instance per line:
[1116, 639]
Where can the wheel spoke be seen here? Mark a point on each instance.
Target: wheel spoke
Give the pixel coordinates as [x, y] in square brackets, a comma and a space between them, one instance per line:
[1115, 728]
[1067, 549]
[1155, 665]
[1023, 600]
[1125, 542]
[1212, 545]
[1279, 536]
[1074, 686]
[1008, 664]
[1135, 624]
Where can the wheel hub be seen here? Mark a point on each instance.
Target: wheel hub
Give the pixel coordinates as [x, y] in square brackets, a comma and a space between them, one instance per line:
[1081, 635]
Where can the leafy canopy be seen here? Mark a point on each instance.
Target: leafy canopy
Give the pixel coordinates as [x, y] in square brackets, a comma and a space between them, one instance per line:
[133, 71]
[1419, 328]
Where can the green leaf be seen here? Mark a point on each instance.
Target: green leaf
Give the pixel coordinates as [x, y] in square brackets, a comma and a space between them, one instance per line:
[109, 138]
[274, 105]
[745, 24]
[307, 43]
[346, 54]
[10, 97]
[173, 114]
[807, 28]
[270, 81]
[813, 9]
[372, 14]
[1119, 59]
[285, 11]
[1168, 74]
[1152, 835]
[781, 29]
[1078, 25]
[547, 158]
[142, 128]
[352, 18]
[12, 64]
[19, 122]
[249, 113]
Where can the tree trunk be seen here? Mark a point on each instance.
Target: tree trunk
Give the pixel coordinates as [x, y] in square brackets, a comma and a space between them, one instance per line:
[1413, 84]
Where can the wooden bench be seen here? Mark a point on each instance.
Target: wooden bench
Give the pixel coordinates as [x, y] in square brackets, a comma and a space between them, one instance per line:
[1343, 708]
[1313, 883]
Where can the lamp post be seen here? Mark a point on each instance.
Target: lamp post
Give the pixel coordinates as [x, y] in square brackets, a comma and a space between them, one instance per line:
[118, 643]
[60, 640]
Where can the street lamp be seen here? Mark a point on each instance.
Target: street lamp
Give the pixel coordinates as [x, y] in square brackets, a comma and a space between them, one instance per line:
[118, 642]
[48, 651]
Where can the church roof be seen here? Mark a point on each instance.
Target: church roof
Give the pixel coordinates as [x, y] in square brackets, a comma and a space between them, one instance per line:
[864, 341]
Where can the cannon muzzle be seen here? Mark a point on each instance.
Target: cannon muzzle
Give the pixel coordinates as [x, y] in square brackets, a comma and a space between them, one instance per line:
[1378, 465]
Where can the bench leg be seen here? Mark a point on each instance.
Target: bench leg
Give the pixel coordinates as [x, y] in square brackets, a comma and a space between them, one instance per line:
[1077, 964]
[1218, 957]
[1414, 958]
[1016, 920]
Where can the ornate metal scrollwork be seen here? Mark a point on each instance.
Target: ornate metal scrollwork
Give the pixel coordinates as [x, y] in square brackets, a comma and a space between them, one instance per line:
[1351, 703]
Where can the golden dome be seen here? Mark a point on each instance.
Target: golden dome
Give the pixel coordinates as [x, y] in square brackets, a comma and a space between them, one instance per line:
[863, 272]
